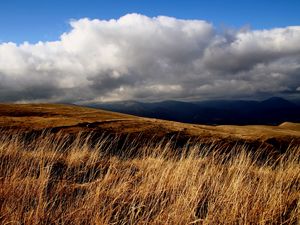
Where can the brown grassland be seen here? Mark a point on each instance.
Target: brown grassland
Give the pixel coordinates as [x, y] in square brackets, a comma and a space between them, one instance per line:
[71, 165]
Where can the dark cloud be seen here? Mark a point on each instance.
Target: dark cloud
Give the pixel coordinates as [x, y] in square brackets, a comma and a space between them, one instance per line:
[137, 57]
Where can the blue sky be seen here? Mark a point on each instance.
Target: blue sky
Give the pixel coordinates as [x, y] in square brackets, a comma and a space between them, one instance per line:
[46, 20]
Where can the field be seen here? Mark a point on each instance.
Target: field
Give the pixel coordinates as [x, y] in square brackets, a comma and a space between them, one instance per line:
[72, 165]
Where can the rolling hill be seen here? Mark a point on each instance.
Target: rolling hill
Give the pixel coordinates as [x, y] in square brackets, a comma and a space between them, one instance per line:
[71, 119]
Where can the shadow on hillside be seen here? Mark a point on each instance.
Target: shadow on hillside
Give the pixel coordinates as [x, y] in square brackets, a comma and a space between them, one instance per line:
[126, 145]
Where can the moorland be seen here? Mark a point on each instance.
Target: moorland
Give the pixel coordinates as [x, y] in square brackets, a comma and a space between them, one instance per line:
[66, 164]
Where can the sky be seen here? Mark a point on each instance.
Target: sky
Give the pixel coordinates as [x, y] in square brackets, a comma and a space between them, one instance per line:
[45, 20]
[92, 51]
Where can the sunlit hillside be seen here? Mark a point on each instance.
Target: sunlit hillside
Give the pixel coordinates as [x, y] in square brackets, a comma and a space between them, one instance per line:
[71, 165]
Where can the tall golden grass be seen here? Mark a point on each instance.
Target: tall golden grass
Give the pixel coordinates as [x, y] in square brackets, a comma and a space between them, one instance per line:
[48, 180]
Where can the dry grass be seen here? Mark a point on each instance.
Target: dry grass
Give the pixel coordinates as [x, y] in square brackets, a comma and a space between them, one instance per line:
[49, 180]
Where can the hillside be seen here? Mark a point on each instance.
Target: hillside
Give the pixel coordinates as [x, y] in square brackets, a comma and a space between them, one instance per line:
[272, 111]
[71, 119]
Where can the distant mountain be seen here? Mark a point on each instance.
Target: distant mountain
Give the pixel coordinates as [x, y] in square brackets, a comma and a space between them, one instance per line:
[272, 111]
[296, 101]
[277, 103]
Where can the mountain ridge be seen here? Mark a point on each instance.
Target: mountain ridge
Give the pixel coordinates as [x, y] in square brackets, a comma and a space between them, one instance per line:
[271, 111]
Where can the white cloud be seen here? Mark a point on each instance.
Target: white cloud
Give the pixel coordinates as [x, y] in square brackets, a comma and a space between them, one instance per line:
[137, 57]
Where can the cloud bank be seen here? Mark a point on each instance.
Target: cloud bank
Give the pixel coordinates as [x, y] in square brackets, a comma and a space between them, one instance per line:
[137, 57]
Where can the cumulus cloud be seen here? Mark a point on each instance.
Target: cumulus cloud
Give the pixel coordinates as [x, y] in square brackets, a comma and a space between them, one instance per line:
[137, 57]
